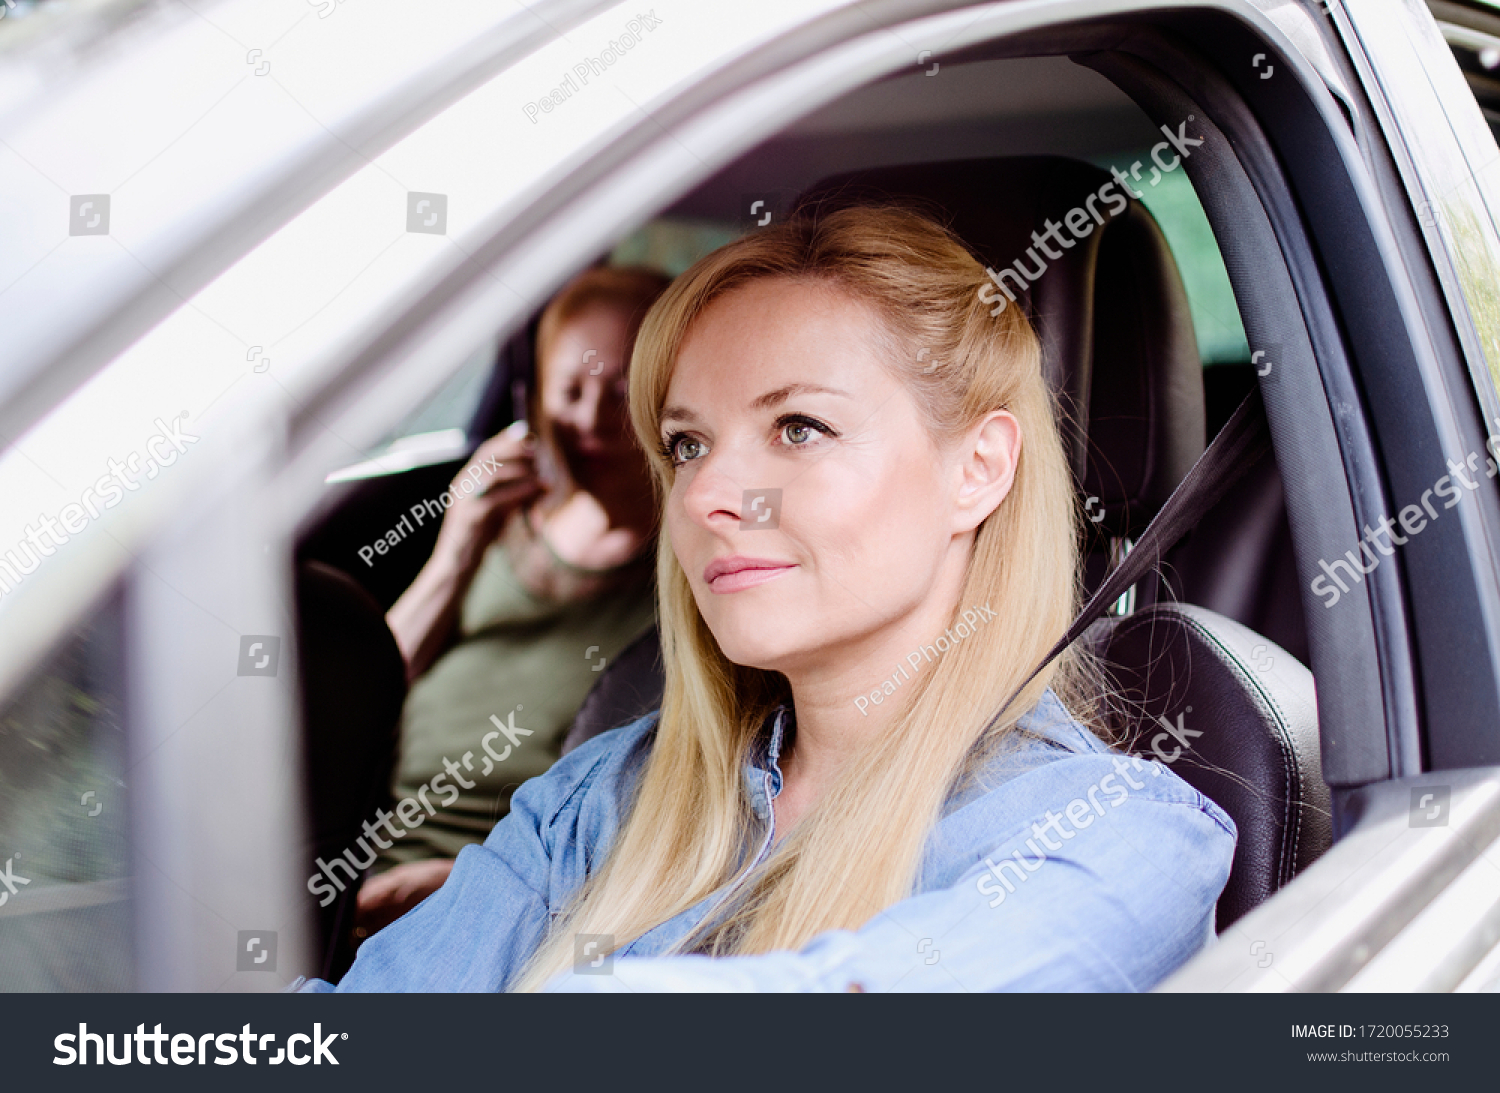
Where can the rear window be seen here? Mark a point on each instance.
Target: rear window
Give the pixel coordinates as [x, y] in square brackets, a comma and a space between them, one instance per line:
[1175, 205]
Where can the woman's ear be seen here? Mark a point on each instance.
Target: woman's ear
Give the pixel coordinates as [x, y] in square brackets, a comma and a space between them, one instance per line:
[987, 458]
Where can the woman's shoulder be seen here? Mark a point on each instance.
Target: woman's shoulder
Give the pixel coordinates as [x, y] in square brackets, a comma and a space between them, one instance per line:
[595, 778]
[1055, 779]
[1053, 722]
[1045, 735]
[1052, 759]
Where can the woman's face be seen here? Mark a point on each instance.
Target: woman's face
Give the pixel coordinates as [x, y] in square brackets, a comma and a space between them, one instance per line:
[584, 388]
[779, 386]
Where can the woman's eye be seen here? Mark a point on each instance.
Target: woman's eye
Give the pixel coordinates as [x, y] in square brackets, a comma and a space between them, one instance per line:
[800, 432]
[684, 449]
[797, 433]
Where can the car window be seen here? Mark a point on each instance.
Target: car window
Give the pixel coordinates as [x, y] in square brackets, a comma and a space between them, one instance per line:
[436, 431]
[453, 406]
[65, 921]
[1175, 205]
[1454, 180]
[672, 244]
[1473, 33]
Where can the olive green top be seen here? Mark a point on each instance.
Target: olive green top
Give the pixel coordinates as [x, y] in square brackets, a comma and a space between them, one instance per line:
[523, 657]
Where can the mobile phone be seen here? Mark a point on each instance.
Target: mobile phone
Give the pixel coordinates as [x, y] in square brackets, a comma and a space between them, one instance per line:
[550, 473]
[548, 470]
[552, 476]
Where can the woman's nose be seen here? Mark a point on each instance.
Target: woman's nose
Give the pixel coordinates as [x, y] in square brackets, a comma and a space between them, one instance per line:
[584, 413]
[717, 487]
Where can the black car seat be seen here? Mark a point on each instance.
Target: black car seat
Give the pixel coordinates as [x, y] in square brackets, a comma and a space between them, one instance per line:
[353, 682]
[1119, 350]
[634, 688]
[1180, 670]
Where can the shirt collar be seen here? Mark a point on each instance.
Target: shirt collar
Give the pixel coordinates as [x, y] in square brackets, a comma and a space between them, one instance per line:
[1049, 719]
[763, 770]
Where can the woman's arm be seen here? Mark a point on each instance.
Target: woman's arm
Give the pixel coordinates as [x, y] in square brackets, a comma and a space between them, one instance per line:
[424, 617]
[477, 930]
[1116, 906]
[387, 896]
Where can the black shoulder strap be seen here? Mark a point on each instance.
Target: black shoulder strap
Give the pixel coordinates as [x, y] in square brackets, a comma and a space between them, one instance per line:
[1243, 440]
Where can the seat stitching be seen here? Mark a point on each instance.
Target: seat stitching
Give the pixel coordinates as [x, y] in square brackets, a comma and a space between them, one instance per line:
[1292, 770]
[1292, 814]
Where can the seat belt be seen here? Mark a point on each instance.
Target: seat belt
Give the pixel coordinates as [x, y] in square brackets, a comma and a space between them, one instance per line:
[1241, 443]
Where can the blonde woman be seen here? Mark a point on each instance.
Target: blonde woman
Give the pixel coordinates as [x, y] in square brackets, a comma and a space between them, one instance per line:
[870, 540]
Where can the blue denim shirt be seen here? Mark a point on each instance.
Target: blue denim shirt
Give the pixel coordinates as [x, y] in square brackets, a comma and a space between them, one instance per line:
[1064, 866]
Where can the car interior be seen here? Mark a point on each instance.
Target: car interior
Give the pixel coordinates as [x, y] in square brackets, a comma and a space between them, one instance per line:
[1144, 334]
[1146, 365]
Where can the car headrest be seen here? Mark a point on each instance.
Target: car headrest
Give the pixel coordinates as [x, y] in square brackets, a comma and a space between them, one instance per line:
[1117, 338]
[630, 688]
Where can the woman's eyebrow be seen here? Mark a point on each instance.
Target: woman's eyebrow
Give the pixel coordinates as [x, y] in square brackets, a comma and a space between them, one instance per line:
[761, 402]
[781, 394]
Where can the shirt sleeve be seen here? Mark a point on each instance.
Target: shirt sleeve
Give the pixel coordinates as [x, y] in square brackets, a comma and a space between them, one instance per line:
[1112, 895]
[477, 930]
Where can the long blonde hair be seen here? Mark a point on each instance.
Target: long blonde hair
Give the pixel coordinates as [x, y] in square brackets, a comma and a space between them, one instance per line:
[858, 851]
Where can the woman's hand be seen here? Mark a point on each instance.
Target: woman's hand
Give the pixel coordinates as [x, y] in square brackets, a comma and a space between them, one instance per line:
[386, 897]
[504, 469]
[504, 472]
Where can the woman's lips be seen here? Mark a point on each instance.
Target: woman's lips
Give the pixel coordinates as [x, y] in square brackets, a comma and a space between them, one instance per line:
[736, 574]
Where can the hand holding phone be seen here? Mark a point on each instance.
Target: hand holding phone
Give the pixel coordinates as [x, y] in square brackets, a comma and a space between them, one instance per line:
[505, 470]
